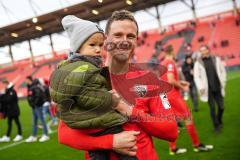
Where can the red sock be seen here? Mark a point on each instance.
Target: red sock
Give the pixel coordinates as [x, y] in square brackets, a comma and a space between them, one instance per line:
[193, 133]
[172, 145]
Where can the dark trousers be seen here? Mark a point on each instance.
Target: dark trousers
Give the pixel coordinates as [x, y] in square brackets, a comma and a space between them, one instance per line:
[16, 119]
[38, 114]
[216, 96]
[194, 96]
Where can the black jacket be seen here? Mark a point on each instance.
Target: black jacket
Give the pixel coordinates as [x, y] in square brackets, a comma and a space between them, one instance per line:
[186, 69]
[47, 94]
[2, 109]
[9, 102]
[36, 96]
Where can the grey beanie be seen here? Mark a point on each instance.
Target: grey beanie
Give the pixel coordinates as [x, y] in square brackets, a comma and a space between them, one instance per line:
[79, 30]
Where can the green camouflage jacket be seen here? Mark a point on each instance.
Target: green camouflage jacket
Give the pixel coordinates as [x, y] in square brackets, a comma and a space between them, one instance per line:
[82, 97]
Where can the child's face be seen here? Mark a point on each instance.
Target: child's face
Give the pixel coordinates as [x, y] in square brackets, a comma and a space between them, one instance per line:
[93, 46]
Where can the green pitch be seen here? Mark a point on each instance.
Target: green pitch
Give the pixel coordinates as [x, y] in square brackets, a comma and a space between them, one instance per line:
[227, 143]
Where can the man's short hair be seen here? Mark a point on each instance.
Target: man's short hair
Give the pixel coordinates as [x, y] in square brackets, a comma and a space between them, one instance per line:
[169, 50]
[5, 81]
[204, 45]
[30, 78]
[120, 16]
[188, 56]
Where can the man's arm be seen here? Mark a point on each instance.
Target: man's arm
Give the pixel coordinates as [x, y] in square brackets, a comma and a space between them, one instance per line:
[124, 142]
[198, 78]
[155, 125]
[76, 139]
[183, 85]
[223, 71]
[10, 98]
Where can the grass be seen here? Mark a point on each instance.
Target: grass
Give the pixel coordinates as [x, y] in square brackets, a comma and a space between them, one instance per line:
[226, 144]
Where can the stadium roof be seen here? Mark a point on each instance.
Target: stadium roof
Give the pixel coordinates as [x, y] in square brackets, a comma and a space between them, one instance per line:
[51, 22]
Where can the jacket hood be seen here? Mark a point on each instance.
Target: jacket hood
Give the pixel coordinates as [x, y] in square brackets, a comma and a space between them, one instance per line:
[35, 81]
[95, 60]
[10, 85]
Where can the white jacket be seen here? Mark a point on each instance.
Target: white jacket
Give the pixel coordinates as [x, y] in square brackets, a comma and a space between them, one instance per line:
[200, 76]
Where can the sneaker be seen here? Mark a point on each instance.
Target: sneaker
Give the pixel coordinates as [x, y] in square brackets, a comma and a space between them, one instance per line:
[202, 148]
[44, 138]
[5, 139]
[50, 131]
[31, 139]
[55, 123]
[177, 151]
[17, 138]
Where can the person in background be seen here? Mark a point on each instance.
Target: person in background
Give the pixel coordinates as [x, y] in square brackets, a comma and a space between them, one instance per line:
[9, 101]
[210, 79]
[187, 70]
[2, 110]
[47, 106]
[179, 106]
[36, 99]
[189, 52]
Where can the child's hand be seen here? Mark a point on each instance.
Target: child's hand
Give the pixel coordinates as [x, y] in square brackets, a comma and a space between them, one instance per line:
[124, 108]
[114, 92]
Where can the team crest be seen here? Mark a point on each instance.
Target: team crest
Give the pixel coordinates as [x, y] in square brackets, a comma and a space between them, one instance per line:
[141, 90]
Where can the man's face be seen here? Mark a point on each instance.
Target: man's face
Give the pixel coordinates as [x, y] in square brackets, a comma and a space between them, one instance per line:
[122, 31]
[28, 81]
[204, 51]
[189, 60]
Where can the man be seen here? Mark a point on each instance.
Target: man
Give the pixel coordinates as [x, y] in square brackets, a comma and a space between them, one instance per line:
[210, 78]
[2, 109]
[187, 69]
[121, 32]
[179, 105]
[36, 99]
[11, 109]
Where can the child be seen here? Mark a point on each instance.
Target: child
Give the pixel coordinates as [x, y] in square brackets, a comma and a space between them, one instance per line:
[81, 88]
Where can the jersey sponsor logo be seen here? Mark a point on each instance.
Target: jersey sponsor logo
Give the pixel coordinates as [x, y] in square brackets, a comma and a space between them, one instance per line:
[165, 101]
[170, 67]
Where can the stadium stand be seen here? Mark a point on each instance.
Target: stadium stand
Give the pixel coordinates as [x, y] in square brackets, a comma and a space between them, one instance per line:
[211, 30]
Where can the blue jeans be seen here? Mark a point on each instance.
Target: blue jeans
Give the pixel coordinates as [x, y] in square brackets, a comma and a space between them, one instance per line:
[38, 114]
[47, 111]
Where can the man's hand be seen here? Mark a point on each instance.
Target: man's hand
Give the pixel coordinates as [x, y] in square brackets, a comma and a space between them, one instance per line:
[185, 86]
[191, 72]
[202, 91]
[125, 142]
[127, 151]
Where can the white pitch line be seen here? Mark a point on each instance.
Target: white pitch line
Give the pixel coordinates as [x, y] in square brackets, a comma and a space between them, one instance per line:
[20, 142]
